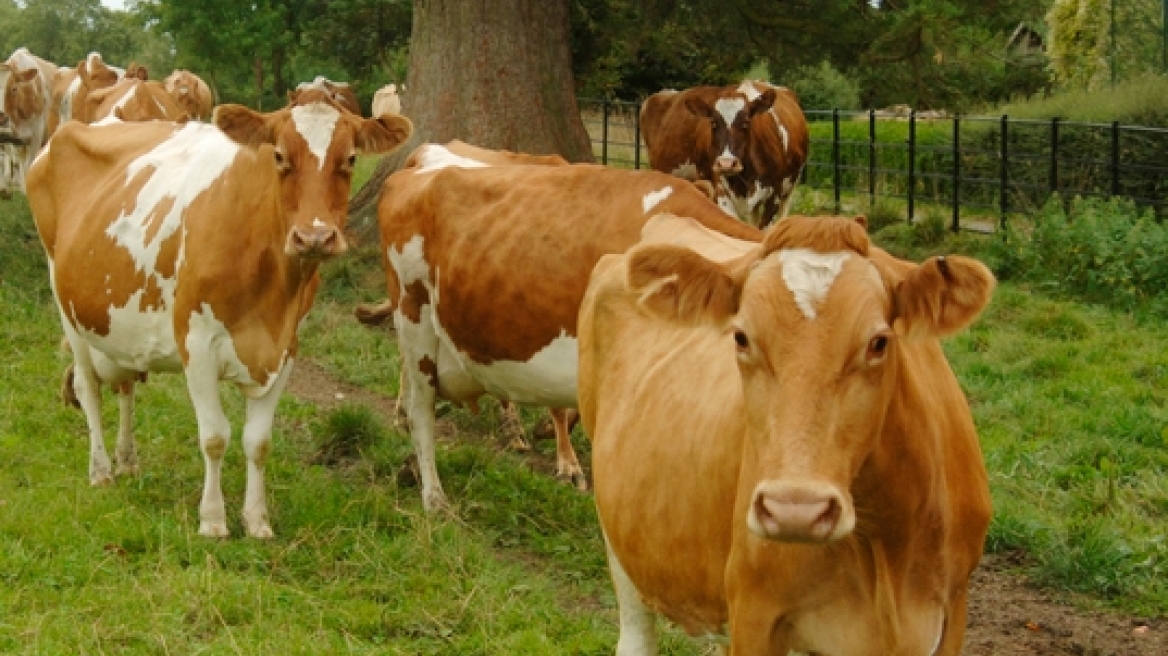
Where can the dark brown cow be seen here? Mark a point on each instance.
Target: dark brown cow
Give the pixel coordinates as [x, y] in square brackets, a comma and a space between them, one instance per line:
[195, 248]
[749, 141]
[485, 282]
[780, 450]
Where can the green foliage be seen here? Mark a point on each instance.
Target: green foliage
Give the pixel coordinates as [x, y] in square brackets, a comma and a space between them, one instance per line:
[1082, 54]
[1141, 101]
[1100, 251]
[822, 87]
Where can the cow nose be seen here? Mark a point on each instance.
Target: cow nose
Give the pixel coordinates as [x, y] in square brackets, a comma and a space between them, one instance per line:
[728, 163]
[799, 512]
[321, 242]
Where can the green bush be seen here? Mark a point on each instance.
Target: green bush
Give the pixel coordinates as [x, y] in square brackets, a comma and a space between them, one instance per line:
[823, 87]
[1101, 251]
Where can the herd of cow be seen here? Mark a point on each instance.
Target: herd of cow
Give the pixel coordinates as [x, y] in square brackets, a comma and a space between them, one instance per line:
[781, 455]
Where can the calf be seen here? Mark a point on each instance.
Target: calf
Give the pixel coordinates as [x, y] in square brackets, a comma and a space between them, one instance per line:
[780, 450]
[191, 93]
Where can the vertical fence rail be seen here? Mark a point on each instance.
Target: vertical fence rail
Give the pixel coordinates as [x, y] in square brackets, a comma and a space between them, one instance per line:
[912, 161]
[637, 136]
[956, 227]
[872, 157]
[604, 132]
[835, 158]
[1054, 154]
[1004, 171]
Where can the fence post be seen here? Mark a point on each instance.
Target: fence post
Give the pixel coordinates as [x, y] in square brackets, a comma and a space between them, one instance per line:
[637, 136]
[872, 156]
[835, 157]
[1054, 146]
[912, 164]
[1115, 158]
[604, 133]
[956, 173]
[1004, 172]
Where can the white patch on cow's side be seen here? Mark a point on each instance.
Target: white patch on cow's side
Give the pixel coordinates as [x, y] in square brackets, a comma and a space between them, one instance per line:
[137, 340]
[434, 157]
[315, 123]
[183, 166]
[410, 262]
[654, 198]
[783, 131]
[65, 109]
[809, 275]
[547, 379]
[688, 171]
[124, 100]
[729, 108]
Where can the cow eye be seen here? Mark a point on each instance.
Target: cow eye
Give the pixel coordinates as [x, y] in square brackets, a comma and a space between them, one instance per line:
[352, 161]
[741, 340]
[279, 158]
[877, 348]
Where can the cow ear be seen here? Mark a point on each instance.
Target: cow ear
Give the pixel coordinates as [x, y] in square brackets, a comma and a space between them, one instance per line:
[242, 125]
[762, 103]
[383, 134]
[27, 75]
[698, 107]
[862, 220]
[678, 284]
[941, 296]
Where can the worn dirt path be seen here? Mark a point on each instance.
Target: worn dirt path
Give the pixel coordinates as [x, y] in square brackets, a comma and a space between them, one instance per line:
[1007, 615]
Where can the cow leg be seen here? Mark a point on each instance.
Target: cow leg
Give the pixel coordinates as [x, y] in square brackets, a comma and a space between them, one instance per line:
[214, 433]
[567, 465]
[87, 390]
[257, 444]
[418, 342]
[513, 427]
[400, 416]
[127, 452]
[638, 624]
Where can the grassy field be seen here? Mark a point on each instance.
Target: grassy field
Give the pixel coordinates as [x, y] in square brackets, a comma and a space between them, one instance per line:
[1070, 401]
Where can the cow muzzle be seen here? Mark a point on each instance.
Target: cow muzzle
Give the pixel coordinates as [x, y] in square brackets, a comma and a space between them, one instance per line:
[800, 512]
[728, 165]
[317, 242]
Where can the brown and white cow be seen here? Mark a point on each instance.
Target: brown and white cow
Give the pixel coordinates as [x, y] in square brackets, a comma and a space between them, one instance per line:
[194, 248]
[485, 269]
[749, 141]
[132, 99]
[386, 101]
[340, 92]
[26, 87]
[780, 449]
[191, 92]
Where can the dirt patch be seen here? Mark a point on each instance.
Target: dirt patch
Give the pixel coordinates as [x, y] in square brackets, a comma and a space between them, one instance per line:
[1007, 615]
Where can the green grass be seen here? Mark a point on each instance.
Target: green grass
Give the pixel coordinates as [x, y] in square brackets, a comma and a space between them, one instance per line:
[1070, 401]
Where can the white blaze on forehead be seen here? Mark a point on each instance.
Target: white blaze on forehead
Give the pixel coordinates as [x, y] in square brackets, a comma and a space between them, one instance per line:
[654, 198]
[410, 262]
[184, 166]
[809, 275]
[436, 157]
[729, 108]
[316, 123]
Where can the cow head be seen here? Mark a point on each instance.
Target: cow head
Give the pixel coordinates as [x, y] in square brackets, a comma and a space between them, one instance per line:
[314, 148]
[22, 97]
[94, 76]
[338, 92]
[818, 329]
[729, 118]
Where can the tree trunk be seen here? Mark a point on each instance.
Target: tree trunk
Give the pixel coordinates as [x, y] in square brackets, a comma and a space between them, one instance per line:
[494, 73]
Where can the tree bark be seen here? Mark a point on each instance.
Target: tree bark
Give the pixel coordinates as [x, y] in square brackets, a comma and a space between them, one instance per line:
[494, 73]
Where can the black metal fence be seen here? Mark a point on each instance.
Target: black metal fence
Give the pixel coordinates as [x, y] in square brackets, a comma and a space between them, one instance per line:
[970, 166]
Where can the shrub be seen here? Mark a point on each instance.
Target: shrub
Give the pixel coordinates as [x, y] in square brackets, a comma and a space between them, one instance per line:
[1100, 251]
[823, 87]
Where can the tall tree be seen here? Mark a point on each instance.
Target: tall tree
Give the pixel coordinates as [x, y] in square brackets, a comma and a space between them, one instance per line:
[497, 74]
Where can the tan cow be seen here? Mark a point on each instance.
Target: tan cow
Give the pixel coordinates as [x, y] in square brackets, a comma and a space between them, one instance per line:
[25, 96]
[131, 99]
[93, 76]
[386, 101]
[750, 141]
[195, 248]
[340, 92]
[191, 92]
[780, 449]
[485, 269]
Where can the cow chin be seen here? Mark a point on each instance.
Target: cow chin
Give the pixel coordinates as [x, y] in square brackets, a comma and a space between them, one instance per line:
[809, 512]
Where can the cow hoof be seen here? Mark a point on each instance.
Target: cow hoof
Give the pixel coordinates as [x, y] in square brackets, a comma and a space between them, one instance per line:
[101, 479]
[573, 476]
[260, 532]
[127, 467]
[213, 530]
[435, 502]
